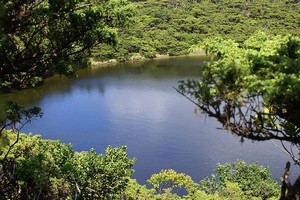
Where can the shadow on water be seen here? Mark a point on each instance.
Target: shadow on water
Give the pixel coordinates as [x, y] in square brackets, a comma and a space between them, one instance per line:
[58, 84]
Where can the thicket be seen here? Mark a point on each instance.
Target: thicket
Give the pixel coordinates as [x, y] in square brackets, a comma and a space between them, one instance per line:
[231, 181]
[41, 38]
[172, 26]
[34, 168]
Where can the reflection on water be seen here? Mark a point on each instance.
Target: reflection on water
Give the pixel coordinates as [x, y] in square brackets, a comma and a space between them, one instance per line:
[156, 69]
[134, 104]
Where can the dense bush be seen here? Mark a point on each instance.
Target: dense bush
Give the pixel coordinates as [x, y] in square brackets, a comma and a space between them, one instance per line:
[232, 181]
[253, 180]
[48, 169]
[171, 27]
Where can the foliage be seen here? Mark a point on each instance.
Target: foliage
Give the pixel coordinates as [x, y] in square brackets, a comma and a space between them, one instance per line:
[15, 116]
[45, 169]
[168, 180]
[252, 89]
[231, 181]
[172, 26]
[253, 180]
[135, 191]
[39, 38]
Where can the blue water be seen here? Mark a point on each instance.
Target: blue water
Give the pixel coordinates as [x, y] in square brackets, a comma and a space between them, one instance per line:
[134, 104]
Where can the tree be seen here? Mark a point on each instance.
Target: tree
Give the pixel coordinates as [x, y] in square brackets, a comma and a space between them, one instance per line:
[234, 181]
[253, 88]
[253, 180]
[39, 38]
[47, 169]
[167, 180]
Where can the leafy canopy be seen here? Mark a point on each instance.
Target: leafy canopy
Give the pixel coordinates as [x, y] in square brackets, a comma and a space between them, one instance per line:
[254, 180]
[232, 181]
[39, 38]
[50, 169]
[172, 26]
[252, 88]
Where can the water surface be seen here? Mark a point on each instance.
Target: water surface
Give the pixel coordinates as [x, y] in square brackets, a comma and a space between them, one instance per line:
[134, 104]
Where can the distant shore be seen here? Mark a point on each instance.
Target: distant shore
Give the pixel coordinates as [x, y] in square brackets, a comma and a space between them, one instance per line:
[138, 57]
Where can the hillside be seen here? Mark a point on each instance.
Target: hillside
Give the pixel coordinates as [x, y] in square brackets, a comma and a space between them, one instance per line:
[173, 26]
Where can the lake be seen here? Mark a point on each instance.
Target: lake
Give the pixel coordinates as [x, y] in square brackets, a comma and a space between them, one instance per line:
[135, 104]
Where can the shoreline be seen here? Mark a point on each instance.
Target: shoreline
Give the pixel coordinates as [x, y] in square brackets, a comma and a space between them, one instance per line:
[138, 57]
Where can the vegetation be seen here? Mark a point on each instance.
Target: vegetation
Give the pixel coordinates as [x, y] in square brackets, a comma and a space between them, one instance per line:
[255, 181]
[172, 26]
[44, 169]
[234, 181]
[252, 89]
[40, 38]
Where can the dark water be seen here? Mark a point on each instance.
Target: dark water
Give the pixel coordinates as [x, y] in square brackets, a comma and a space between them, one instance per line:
[134, 104]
